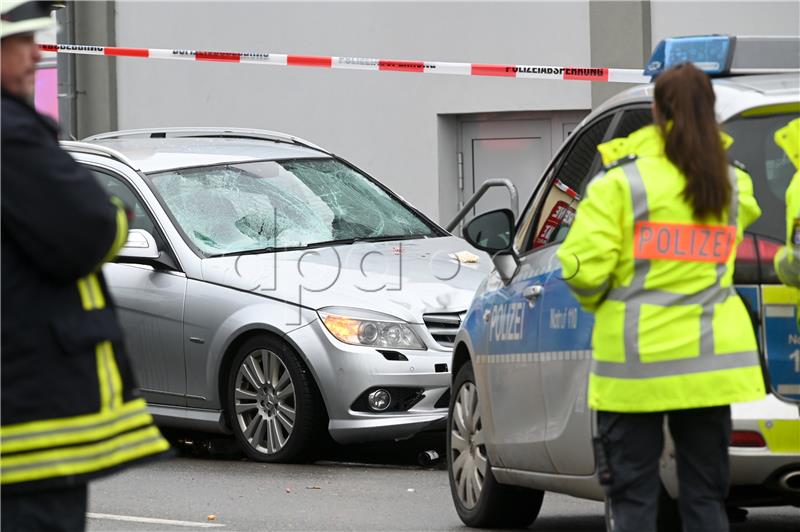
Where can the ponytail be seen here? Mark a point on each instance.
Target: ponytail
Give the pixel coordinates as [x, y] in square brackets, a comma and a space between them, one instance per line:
[685, 114]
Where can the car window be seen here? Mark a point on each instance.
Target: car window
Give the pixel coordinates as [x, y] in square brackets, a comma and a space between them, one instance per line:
[570, 177]
[768, 166]
[115, 186]
[633, 119]
[243, 207]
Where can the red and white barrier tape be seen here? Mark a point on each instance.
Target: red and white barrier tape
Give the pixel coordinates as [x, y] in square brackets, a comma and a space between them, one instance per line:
[621, 75]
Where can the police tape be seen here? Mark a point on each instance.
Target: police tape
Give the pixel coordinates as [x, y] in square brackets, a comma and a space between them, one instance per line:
[618, 75]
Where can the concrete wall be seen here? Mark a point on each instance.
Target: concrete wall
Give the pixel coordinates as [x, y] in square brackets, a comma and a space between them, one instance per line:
[386, 123]
[757, 17]
[401, 128]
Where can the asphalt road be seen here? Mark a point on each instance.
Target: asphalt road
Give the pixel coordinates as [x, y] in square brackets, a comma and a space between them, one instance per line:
[377, 487]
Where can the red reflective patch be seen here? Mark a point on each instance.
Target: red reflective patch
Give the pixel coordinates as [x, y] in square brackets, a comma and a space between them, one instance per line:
[683, 242]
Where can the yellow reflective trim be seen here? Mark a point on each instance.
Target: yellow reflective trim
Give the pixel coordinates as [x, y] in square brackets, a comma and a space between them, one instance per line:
[33, 427]
[782, 435]
[84, 459]
[779, 295]
[122, 230]
[96, 291]
[86, 298]
[116, 379]
[50, 439]
[103, 376]
[779, 108]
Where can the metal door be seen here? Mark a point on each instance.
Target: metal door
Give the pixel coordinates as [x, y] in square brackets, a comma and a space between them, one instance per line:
[513, 149]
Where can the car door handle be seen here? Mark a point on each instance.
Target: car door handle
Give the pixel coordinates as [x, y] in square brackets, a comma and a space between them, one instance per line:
[532, 292]
[486, 315]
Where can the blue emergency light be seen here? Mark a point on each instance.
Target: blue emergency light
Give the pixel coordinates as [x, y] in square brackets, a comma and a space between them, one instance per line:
[709, 53]
[725, 55]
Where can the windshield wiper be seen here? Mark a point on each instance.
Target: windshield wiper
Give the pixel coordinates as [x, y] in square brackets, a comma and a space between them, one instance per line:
[344, 241]
[322, 243]
[257, 251]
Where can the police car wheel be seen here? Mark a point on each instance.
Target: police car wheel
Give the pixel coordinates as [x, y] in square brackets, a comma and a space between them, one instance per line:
[479, 499]
[271, 402]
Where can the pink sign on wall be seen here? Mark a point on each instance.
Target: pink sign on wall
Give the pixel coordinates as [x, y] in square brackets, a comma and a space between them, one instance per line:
[46, 95]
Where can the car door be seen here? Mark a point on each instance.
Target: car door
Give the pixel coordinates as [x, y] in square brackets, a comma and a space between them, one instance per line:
[565, 329]
[150, 304]
[508, 374]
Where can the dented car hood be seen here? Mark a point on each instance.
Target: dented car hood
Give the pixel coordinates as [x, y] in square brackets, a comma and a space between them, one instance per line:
[405, 278]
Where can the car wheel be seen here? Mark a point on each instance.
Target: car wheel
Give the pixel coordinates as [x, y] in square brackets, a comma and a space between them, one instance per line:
[479, 499]
[272, 403]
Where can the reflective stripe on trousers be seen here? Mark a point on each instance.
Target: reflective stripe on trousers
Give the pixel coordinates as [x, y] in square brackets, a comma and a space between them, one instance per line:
[635, 295]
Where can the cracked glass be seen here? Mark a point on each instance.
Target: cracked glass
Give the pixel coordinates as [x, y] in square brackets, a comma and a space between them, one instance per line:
[268, 205]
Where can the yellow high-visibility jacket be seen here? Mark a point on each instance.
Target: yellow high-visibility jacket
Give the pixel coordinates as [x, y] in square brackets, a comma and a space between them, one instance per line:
[670, 332]
[787, 260]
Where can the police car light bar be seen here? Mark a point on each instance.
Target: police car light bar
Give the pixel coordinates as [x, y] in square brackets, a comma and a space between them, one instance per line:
[720, 55]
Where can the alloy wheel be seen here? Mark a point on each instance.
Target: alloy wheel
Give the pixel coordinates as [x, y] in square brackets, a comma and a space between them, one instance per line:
[264, 400]
[467, 444]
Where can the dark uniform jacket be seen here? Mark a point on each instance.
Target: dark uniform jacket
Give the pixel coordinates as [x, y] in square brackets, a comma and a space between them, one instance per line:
[69, 406]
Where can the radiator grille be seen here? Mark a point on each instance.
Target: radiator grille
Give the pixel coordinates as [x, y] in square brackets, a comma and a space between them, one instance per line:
[444, 326]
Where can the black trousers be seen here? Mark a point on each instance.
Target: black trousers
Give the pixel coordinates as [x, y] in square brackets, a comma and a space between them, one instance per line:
[52, 510]
[633, 444]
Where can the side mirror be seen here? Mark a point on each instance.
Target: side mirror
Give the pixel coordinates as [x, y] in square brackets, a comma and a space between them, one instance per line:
[140, 248]
[493, 232]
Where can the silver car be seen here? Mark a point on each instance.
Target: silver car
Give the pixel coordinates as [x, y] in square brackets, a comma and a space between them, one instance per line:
[273, 290]
[520, 424]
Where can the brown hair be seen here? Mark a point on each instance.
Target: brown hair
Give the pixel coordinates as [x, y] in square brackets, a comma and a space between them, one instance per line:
[684, 96]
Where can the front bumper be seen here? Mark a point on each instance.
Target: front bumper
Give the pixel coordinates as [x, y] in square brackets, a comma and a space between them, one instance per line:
[344, 372]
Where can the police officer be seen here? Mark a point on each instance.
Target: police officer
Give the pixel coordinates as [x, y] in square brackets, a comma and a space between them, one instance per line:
[69, 409]
[651, 253]
[787, 260]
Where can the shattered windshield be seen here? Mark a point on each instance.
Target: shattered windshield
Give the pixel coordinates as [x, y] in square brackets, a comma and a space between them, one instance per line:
[282, 204]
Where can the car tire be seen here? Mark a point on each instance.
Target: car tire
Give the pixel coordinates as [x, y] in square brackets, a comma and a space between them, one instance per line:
[272, 403]
[480, 500]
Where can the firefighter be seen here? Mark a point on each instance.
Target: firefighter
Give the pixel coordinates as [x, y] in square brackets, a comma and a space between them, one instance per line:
[787, 260]
[70, 412]
[651, 254]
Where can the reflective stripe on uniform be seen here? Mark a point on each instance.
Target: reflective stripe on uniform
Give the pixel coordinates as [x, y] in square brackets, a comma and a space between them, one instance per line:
[788, 265]
[79, 429]
[91, 293]
[108, 377]
[592, 291]
[635, 295]
[82, 459]
[121, 235]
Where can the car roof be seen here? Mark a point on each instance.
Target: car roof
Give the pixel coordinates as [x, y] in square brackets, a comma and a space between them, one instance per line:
[734, 94]
[151, 155]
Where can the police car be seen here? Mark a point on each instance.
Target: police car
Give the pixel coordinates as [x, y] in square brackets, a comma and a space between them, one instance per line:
[519, 424]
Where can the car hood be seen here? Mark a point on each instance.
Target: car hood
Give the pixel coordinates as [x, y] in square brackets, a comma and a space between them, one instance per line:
[405, 278]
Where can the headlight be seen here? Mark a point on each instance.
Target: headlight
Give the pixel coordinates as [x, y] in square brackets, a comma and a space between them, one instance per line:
[372, 329]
